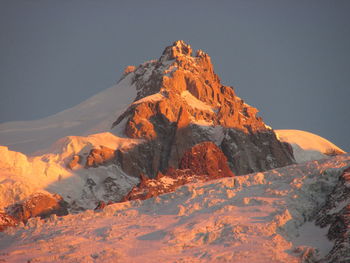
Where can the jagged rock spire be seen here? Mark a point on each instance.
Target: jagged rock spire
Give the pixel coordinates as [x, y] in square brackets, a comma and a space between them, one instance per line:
[178, 48]
[181, 102]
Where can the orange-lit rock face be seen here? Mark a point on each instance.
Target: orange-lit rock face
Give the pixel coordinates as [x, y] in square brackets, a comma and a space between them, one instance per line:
[174, 74]
[38, 205]
[178, 49]
[129, 69]
[7, 221]
[41, 205]
[140, 126]
[74, 163]
[206, 158]
[96, 157]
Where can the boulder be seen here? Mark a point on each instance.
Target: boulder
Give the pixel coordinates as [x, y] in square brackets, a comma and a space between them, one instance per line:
[39, 204]
[7, 221]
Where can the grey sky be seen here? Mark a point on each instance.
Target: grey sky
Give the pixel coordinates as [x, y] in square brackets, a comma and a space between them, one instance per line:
[290, 59]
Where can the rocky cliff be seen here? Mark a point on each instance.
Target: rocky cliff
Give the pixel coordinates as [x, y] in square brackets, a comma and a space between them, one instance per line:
[181, 102]
[203, 162]
[335, 214]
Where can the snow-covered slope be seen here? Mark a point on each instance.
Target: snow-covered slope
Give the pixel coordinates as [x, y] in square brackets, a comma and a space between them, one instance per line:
[262, 217]
[94, 115]
[308, 146]
[22, 176]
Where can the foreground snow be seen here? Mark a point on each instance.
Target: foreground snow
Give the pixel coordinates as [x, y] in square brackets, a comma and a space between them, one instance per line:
[308, 146]
[254, 218]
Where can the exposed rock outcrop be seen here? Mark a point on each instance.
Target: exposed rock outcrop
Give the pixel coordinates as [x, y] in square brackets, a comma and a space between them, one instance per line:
[103, 155]
[255, 151]
[206, 159]
[7, 221]
[75, 162]
[129, 69]
[96, 157]
[336, 215]
[39, 204]
[181, 102]
[203, 162]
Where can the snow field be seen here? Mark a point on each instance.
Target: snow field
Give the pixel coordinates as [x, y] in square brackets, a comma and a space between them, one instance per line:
[253, 218]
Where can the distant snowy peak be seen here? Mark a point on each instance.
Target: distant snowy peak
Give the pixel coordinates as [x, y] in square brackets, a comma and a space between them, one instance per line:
[308, 146]
[94, 115]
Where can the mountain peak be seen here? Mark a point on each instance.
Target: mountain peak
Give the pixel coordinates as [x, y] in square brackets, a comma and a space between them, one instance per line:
[181, 102]
[177, 49]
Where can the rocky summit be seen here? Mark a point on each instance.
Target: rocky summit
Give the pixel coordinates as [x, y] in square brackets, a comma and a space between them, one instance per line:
[181, 102]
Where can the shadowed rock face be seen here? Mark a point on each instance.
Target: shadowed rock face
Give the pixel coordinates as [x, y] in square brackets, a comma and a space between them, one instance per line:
[336, 215]
[180, 103]
[203, 162]
[255, 151]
